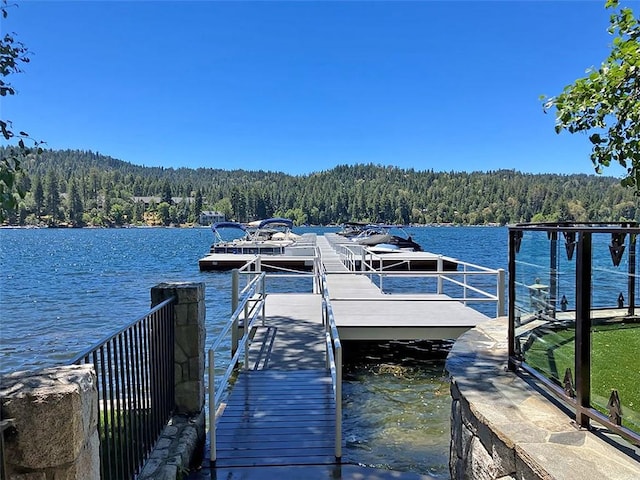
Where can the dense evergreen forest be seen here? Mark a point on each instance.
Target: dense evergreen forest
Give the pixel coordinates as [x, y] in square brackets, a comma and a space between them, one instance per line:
[83, 188]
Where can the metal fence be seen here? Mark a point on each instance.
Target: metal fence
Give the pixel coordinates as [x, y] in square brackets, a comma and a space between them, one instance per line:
[573, 324]
[136, 397]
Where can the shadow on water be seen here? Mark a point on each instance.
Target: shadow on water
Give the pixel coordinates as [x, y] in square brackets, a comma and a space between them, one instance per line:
[396, 406]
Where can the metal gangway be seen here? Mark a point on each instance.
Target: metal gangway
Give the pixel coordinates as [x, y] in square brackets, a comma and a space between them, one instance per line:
[279, 400]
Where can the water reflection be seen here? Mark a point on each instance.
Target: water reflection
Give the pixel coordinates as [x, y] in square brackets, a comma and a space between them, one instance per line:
[396, 406]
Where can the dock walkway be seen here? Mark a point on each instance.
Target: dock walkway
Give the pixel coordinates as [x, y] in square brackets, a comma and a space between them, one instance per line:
[363, 312]
[281, 410]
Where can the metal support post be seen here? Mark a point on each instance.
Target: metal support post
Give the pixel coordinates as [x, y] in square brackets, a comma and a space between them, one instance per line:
[583, 328]
[512, 295]
[235, 285]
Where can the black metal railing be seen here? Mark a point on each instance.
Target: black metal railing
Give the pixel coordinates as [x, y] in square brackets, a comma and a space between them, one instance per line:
[572, 318]
[136, 395]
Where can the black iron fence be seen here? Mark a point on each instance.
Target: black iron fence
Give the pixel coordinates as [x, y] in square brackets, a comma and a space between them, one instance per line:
[135, 370]
[573, 323]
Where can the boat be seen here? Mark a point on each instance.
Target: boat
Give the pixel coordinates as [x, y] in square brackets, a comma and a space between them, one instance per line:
[272, 239]
[264, 237]
[353, 229]
[385, 239]
[227, 235]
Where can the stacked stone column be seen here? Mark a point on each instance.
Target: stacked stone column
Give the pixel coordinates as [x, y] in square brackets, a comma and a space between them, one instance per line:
[55, 412]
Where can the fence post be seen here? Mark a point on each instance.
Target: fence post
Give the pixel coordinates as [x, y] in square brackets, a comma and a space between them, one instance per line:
[189, 342]
[55, 416]
[440, 268]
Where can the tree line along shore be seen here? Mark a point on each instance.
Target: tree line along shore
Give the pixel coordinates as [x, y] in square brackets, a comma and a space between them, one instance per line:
[83, 188]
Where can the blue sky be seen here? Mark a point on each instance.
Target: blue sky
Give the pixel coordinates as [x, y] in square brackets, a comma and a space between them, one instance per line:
[303, 86]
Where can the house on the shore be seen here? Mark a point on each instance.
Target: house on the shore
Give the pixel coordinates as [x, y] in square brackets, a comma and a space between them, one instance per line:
[208, 217]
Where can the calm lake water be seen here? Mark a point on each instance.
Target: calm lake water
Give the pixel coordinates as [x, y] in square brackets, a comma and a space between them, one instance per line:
[63, 290]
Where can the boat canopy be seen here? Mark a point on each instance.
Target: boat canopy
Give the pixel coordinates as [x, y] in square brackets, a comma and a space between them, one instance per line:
[218, 225]
[276, 221]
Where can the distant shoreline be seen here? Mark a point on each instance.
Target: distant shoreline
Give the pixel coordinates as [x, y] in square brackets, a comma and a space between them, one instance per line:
[189, 226]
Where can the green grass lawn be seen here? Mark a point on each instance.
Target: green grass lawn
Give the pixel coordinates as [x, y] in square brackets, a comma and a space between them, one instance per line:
[615, 364]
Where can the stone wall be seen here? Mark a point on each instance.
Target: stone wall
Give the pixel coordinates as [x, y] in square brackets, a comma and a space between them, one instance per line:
[56, 419]
[56, 409]
[504, 428]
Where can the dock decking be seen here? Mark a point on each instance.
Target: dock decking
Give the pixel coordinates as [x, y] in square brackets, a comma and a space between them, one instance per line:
[281, 411]
[363, 312]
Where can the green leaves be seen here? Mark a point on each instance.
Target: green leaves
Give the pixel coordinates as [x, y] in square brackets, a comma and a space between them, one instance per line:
[608, 100]
[12, 55]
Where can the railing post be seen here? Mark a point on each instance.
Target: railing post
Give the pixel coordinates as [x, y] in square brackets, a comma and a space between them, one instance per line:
[212, 408]
[553, 272]
[500, 310]
[464, 281]
[338, 360]
[439, 267]
[583, 328]
[632, 275]
[263, 295]
[235, 286]
[511, 334]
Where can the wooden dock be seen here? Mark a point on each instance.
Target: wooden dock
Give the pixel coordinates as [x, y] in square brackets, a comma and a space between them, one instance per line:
[281, 411]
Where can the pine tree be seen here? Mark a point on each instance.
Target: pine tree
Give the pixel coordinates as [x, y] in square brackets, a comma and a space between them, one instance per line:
[52, 196]
[74, 204]
[38, 196]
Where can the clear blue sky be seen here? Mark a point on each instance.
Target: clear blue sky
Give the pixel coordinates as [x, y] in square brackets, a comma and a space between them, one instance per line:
[303, 86]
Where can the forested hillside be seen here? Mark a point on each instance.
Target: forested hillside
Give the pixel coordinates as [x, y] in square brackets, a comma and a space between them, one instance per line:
[86, 188]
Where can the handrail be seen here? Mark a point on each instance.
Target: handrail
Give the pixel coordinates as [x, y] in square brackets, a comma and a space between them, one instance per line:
[253, 293]
[354, 254]
[248, 304]
[334, 361]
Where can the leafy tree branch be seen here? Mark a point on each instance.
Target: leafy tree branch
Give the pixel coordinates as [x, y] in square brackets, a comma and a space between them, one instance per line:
[606, 103]
[13, 54]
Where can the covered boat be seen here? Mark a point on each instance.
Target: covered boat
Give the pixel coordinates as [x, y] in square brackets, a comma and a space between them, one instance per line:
[264, 237]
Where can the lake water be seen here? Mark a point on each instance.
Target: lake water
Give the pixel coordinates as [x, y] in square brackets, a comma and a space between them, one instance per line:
[63, 290]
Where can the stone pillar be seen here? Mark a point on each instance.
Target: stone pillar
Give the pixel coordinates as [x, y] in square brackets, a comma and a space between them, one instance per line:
[190, 335]
[56, 423]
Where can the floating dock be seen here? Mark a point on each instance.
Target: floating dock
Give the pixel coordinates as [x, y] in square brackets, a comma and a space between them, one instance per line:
[281, 411]
[302, 258]
[270, 263]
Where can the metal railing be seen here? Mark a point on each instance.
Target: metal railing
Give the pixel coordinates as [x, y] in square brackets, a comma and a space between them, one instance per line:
[541, 317]
[136, 397]
[334, 361]
[475, 284]
[249, 307]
